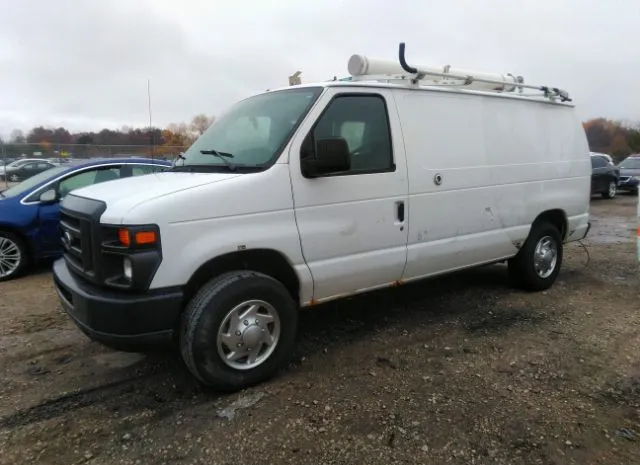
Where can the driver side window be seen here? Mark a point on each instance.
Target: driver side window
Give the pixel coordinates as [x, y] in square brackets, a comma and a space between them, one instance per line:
[87, 178]
[363, 122]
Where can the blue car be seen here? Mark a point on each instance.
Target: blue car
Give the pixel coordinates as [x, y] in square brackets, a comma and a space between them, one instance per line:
[30, 211]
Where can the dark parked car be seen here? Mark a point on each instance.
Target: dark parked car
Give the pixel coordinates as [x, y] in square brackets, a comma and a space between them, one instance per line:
[6, 161]
[30, 211]
[604, 177]
[23, 169]
[629, 174]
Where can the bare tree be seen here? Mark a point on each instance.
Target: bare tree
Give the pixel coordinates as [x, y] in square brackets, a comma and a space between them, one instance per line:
[200, 123]
[17, 137]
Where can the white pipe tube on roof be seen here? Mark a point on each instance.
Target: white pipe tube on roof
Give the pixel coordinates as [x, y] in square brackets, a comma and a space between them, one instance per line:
[360, 65]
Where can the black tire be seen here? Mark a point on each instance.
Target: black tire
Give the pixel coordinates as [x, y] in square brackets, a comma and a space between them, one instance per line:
[205, 314]
[23, 255]
[522, 271]
[612, 189]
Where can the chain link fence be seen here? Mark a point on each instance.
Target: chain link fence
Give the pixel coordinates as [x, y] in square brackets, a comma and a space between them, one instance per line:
[60, 153]
[11, 152]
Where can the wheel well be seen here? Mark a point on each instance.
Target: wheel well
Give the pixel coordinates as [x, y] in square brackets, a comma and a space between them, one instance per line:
[265, 261]
[556, 218]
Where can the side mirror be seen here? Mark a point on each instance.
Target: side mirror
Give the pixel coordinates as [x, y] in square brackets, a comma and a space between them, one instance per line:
[331, 156]
[49, 196]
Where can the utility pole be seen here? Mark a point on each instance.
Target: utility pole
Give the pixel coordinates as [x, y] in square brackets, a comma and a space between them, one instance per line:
[4, 163]
[150, 126]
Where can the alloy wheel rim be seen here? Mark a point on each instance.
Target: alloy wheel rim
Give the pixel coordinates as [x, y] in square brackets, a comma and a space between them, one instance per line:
[10, 257]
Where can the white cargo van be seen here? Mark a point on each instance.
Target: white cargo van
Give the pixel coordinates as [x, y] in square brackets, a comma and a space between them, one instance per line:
[316, 192]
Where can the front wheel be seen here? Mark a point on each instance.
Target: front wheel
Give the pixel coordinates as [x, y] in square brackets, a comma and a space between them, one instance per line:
[238, 330]
[13, 256]
[611, 191]
[537, 264]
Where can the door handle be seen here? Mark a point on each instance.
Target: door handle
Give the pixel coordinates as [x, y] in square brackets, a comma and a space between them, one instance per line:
[400, 211]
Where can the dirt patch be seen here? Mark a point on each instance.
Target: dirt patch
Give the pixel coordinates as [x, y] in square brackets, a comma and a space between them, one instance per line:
[500, 319]
[459, 370]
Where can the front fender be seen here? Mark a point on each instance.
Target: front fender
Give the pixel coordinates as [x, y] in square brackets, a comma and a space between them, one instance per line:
[186, 246]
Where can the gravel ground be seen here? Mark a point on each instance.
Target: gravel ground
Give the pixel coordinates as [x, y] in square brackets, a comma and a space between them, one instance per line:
[460, 370]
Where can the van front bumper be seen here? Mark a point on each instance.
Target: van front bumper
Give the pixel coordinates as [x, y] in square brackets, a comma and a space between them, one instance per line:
[119, 320]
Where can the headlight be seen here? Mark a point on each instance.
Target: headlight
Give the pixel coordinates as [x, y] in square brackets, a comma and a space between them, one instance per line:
[127, 268]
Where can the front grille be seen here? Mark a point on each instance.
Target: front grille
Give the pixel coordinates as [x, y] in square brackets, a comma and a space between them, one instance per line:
[77, 243]
[80, 234]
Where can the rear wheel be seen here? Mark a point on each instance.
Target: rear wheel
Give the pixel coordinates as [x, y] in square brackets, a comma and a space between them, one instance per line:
[537, 264]
[13, 256]
[238, 330]
[611, 191]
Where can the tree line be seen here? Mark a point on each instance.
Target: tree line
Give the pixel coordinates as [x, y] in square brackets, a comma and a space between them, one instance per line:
[172, 139]
[615, 138]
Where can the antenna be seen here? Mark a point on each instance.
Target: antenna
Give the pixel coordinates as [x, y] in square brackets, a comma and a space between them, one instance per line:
[150, 126]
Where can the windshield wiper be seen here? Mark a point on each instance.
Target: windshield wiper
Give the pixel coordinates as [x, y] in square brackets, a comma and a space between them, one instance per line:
[222, 156]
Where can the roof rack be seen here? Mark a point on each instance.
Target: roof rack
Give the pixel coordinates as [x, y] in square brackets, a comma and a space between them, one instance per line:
[362, 68]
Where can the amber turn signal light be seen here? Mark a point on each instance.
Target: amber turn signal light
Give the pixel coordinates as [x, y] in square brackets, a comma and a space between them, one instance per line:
[146, 237]
[139, 237]
[124, 237]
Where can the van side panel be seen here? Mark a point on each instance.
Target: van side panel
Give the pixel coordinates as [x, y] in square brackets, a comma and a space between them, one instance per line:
[501, 162]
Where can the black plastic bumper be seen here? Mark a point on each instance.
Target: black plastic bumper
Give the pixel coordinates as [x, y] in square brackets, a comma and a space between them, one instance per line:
[116, 319]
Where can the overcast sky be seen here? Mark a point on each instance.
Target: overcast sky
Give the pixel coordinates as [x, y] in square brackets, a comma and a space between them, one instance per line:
[84, 64]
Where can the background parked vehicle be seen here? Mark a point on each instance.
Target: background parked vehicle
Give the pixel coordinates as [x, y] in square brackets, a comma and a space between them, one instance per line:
[608, 157]
[6, 161]
[12, 162]
[604, 177]
[629, 174]
[20, 170]
[30, 211]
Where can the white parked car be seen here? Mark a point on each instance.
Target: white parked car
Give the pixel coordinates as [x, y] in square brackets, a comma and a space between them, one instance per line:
[320, 191]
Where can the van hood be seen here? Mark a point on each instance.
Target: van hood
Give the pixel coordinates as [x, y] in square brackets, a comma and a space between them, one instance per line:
[128, 192]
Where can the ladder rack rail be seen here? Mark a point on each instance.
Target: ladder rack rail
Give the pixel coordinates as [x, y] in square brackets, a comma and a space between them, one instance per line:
[549, 92]
[360, 68]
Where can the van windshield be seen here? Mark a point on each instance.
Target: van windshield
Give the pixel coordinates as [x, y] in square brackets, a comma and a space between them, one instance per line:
[252, 133]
